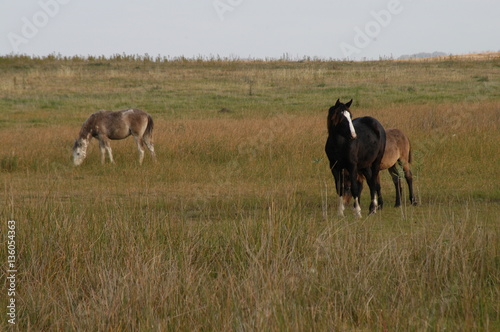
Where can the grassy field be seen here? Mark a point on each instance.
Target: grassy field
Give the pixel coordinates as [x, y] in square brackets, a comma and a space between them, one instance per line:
[235, 227]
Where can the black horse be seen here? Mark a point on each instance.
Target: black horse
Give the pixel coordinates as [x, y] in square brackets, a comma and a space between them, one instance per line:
[356, 146]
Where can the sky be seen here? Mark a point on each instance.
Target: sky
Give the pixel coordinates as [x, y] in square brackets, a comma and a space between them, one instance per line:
[328, 29]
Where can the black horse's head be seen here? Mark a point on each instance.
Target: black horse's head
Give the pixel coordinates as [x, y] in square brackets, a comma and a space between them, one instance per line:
[340, 119]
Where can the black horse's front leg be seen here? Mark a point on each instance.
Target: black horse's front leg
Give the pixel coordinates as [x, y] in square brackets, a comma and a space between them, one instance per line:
[379, 193]
[355, 190]
[371, 176]
[339, 186]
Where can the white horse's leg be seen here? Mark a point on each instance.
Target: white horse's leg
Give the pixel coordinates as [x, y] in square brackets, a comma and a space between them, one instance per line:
[110, 153]
[138, 141]
[357, 208]
[150, 147]
[107, 147]
[102, 148]
[341, 207]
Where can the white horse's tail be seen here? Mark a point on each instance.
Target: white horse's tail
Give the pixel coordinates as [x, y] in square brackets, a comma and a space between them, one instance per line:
[148, 133]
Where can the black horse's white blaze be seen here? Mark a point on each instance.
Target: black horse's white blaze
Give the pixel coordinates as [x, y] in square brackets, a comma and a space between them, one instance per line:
[351, 126]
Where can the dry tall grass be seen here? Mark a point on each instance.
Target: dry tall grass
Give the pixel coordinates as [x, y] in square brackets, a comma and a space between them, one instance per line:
[235, 227]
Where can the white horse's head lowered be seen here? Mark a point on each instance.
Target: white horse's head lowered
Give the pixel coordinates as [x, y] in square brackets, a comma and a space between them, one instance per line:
[79, 151]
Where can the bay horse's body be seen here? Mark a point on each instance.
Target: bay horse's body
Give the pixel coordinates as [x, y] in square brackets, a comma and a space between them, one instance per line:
[114, 125]
[397, 151]
[355, 146]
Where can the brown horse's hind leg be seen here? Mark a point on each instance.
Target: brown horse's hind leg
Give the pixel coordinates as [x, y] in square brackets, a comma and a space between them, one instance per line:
[409, 181]
[397, 184]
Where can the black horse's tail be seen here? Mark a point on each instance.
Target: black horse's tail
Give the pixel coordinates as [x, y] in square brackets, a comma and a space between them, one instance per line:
[149, 129]
[409, 152]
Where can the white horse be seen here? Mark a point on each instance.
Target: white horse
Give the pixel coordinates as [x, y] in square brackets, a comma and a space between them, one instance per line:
[114, 125]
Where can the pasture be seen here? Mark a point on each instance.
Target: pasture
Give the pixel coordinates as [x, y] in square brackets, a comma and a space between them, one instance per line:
[235, 226]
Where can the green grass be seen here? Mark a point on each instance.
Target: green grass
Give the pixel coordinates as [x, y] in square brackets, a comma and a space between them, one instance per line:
[235, 227]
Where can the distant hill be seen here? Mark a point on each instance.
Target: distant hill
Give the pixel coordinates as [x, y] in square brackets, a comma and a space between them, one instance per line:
[423, 55]
[443, 56]
[478, 56]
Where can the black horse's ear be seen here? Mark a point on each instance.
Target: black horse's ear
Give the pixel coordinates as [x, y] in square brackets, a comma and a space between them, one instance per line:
[348, 104]
[337, 103]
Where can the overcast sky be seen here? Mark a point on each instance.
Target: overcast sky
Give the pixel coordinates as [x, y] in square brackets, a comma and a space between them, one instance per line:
[338, 29]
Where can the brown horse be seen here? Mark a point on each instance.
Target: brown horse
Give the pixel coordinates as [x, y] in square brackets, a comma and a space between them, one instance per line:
[397, 151]
[114, 125]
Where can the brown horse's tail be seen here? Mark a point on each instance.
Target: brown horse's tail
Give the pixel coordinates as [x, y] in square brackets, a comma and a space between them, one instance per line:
[149, 129]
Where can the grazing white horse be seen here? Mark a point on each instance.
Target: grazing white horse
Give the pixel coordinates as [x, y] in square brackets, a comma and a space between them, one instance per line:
[114, 125]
